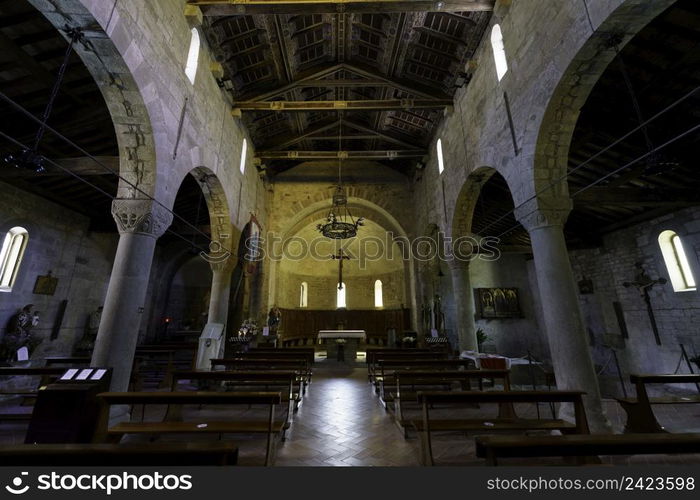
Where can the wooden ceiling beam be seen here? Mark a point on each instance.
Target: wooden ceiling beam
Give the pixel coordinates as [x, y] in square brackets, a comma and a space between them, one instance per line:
[371, 78]
[343, 155]
[367, 105]
[256, 7]
[596, 196]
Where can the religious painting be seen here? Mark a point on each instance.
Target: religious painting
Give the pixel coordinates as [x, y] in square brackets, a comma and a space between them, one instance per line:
[45, 285]
[492, 303]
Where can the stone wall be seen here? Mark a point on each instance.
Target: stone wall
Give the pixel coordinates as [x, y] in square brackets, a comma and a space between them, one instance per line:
[512, 337]
[359, 291]
[677, 313]
[60, 242]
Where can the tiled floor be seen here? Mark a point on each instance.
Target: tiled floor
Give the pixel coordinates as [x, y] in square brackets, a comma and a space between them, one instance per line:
[342, 423]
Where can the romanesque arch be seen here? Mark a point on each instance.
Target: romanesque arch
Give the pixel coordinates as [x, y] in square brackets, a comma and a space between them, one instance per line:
[587, 65]
[132, 124]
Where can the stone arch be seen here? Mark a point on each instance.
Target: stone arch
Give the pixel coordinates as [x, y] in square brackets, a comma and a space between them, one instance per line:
[124, 100]
[218, 208]
[360, 207]
[462, 218]
[570, 94]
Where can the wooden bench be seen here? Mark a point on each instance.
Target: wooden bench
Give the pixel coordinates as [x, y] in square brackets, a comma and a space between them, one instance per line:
[582, 446]
[286, 382]
[407, 384]
[372, 355]
[46, 375]
[373, 366]
[426, 425]
[640, 416]
[265, 364]
[385, 368]
[307, 357]
[296, 340]
[67, 361]
[308, 352]
[269, 426]
[119, 455]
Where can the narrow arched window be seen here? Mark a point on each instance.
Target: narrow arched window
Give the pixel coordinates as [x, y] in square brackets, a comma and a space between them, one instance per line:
[677, 263]
[244, 151]
[11, 256]
[441, 162]
[304, 294]
[340, 296]
[192, 56]
[499, 51]
[378, 294]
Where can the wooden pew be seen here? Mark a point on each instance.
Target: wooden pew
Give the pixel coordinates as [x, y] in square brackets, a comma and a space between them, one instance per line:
[46, 374]
[263, 364]
[307, 357]
[285, 382]
[426, 425]
[371, 356]
[309, 352]
[154, 362]
[119, 455]
[386, 367]
[407, 384]
[640, 416]
[580, 445]
[269, 427]
[373, 367]
[67, 361]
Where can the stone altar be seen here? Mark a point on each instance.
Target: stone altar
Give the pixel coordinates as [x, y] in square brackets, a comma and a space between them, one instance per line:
[352, 340]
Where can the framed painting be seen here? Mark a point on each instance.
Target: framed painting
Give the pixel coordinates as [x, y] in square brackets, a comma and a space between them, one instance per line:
[45, 285]
[494, 303]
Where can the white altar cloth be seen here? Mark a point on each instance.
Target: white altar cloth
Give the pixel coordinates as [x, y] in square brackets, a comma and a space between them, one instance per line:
[342, 334]
[477, 356]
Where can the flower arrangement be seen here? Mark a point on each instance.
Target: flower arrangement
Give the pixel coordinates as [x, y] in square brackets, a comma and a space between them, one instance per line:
[249, 328]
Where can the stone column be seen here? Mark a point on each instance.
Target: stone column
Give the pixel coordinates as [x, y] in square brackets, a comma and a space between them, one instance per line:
[140, 223]
[222, 273]
[568, 343]
[464, 304]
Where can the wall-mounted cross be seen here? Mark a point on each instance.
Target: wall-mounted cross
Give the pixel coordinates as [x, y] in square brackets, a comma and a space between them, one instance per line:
[644, 283]
[340, 258]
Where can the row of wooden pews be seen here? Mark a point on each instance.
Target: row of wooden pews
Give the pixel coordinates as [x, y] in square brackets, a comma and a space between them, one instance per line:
[427, 394]
[256, 392]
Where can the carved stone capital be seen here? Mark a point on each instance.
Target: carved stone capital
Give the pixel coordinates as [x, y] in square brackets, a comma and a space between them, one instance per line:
[543, 213]
[222, 262]
[141, 217]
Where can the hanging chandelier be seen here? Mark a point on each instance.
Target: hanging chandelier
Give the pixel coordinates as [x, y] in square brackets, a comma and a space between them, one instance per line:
[340, 224]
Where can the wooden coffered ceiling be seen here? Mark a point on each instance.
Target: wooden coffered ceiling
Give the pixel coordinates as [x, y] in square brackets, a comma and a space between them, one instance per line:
[383, 71]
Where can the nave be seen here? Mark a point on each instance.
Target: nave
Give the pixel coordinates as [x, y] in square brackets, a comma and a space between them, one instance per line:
[342, 421]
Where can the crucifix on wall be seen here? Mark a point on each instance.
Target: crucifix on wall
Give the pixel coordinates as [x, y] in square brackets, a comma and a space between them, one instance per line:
[340, 258]
[644, 283]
